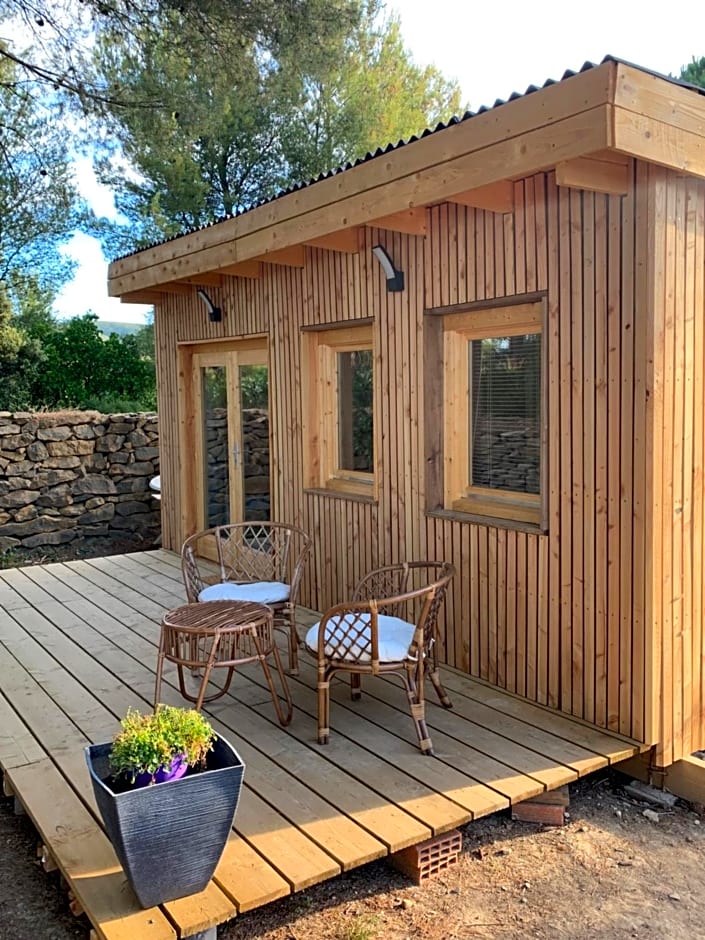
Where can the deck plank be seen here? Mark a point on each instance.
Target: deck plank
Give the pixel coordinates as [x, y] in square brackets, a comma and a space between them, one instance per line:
[78, 645]
[85, 857]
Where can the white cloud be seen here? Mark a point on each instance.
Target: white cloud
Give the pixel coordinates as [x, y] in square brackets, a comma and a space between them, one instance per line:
[88, 291]
[99, 197]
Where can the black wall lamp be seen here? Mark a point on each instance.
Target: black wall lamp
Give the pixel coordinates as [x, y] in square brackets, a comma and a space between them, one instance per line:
[395, 278]
[215, 314]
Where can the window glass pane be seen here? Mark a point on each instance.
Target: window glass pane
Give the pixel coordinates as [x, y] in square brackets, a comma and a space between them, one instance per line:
[216, 449]
[254, 434]
[505, 412]
[355, 410]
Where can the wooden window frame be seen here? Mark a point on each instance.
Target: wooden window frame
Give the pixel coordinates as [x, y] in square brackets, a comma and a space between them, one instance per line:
[449, 490]
[322, 471]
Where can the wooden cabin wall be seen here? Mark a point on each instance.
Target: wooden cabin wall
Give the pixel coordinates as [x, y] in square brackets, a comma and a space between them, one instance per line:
[558, 618]
[676, 452]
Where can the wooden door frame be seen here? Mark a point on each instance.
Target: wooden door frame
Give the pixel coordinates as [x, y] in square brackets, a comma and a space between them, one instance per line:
[190, 415]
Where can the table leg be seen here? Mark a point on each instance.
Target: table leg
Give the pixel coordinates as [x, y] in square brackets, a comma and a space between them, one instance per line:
[283, 718]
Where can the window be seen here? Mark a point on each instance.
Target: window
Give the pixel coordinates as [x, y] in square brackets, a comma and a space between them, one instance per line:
[491, 396]
[338, 409]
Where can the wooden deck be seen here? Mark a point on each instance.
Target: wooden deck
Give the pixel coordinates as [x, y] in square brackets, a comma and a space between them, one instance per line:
[78, 646]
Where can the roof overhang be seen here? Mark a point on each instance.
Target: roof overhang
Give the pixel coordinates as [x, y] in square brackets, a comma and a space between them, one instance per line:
[586, 125]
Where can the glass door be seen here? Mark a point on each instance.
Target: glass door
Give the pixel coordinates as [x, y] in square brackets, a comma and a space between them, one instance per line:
[230, 389]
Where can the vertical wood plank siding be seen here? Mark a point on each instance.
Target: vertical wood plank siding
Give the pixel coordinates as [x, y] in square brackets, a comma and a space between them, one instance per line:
[594, 616]
[676, 455]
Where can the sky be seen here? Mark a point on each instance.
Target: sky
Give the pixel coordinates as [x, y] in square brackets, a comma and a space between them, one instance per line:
[492, 51]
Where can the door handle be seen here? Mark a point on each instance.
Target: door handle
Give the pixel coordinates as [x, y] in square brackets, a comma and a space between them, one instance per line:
[236, 454]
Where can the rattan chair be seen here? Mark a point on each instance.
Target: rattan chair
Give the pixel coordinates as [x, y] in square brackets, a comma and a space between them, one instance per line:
[390, 626]
[257, 561]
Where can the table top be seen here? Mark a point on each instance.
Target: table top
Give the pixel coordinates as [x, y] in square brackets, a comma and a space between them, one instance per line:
[218, 615]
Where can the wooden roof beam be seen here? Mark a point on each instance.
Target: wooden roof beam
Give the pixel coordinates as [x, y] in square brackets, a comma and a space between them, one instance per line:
[251, 269]
[201, 280]
[658, 121]
[525, 135]
[347, 240]
[142, 297]
[408, 222]
[495, 197]
[182, 288]
[594, 174]
[292, 257]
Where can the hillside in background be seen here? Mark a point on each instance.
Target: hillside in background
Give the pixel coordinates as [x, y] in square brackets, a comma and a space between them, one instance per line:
[107, 327]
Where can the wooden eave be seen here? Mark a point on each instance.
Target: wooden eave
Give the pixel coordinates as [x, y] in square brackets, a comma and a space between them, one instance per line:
[612, 107]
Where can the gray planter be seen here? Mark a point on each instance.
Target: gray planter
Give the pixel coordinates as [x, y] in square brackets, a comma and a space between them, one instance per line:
[169, 837]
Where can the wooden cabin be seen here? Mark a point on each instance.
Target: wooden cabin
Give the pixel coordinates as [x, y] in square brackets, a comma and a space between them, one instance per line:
[530, 398]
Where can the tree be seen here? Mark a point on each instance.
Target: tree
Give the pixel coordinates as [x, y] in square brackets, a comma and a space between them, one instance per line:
[39, 207]
[21, 360]
[60, 36]
[232, 133]
[694, 72]
[370, 95]
[83, 370]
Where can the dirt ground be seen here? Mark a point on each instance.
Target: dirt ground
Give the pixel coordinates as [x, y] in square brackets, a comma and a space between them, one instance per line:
[609, 874]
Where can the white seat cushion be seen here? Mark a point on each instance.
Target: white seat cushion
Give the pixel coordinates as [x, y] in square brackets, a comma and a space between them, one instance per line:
[261, 592]
[395, 635]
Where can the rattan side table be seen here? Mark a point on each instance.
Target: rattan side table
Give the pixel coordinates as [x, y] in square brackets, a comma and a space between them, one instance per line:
[221, 635]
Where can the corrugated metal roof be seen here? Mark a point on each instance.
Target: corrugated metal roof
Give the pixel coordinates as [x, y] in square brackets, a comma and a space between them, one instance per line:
[389, 148]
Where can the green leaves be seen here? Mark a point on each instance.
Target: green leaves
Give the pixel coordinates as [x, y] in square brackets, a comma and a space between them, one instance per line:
[147, 742]
[328, 82]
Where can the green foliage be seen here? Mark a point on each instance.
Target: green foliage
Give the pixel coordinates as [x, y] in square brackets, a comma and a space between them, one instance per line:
[231, 132]
[370, 94]
[84, 370]
[39, 206]
[147, 742]
[21, 359]
[254, 386]
[694, 72]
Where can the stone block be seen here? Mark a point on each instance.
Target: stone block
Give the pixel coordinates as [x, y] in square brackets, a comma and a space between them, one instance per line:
[37, 451]
[54, 433]
[70, 448]
[126, 488]
[15, 441]
[96, 462]
[61, 463]
[109, 443]
[102, 513]
[55, 477]
[132, 507]
[20, 469]
[121, 427]
[147, 453]
[7, 543]
[137, 469]
[49, 538]
[56, 498]
[41, 524]
[138, 438]
[26, 513]
[84, 432]
[93, 485]
[18, 498]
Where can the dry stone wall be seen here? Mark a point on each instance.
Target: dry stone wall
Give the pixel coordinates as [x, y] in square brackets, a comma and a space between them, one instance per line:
[75, 476]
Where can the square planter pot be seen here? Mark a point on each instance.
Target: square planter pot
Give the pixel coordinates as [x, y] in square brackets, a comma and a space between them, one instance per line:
[169, 837]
